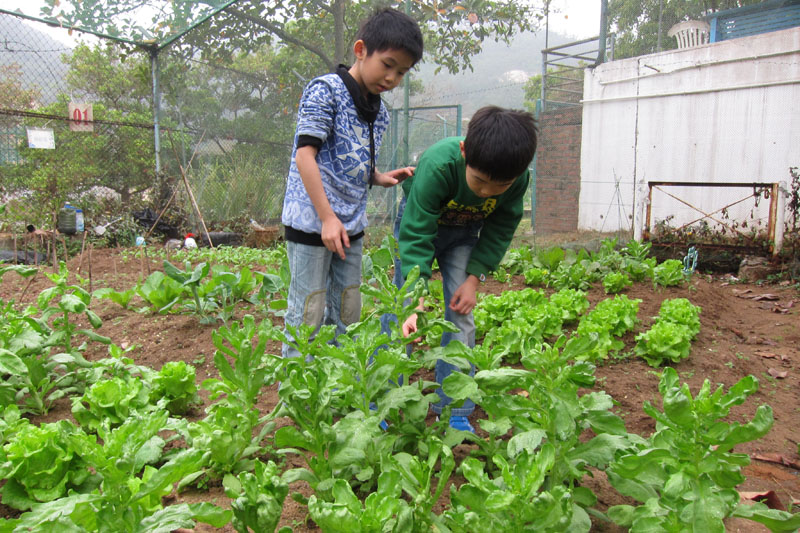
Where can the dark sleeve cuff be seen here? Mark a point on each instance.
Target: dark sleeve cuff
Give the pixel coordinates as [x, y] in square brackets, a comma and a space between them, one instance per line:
[308, 140]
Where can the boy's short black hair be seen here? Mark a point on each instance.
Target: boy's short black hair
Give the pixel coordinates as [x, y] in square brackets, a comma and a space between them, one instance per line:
[500, 142]
[389, 29]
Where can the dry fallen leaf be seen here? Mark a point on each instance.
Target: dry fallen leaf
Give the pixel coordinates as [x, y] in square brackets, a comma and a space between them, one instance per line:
[775, 458]
[766, 296]
[766, 355]
[777, 374]
[768, 497]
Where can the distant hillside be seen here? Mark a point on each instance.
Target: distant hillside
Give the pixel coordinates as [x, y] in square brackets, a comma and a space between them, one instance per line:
[498, 76]
[37, 54]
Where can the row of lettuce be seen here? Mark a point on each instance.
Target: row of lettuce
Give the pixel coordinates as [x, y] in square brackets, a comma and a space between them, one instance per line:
[131, 446]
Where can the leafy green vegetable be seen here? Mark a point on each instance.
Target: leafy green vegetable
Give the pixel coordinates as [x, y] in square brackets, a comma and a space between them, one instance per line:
[39, 464]
[121, 298]
[610, 319]
[382, 511]
[681, 311]
[110, 402]
[572, 302]
[615, 282]
[536, 277]
[125, 502]
[175, 382]
[669, 273]
[160, 291]
[671, 334]
[190, 279]
[517, 500]
[257, 498]
[685, 474]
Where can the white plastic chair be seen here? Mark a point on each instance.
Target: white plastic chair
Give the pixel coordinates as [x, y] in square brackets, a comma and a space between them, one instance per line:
[690, 33]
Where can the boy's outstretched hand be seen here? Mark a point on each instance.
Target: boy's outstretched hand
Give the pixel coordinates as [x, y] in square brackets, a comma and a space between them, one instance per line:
[393, 177]
[464, 299]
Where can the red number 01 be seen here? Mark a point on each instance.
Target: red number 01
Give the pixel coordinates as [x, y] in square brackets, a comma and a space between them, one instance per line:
[76, 116]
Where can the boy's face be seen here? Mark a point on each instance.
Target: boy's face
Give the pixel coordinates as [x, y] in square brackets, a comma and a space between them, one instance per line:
[380, 71]
[481, 184]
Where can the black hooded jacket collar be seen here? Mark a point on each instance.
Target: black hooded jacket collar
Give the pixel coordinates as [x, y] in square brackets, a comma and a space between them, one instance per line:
[368, 106]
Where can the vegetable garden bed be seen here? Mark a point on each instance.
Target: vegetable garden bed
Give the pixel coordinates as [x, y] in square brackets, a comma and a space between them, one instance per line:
[745, 330]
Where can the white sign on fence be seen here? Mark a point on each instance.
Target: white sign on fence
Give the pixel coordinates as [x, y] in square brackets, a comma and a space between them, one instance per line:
[41, 138]
[82, 117]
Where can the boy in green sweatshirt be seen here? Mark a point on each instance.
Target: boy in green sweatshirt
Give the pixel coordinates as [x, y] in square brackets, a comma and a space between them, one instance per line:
[461, 208]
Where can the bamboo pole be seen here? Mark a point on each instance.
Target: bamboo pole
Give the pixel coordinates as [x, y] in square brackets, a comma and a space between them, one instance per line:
[83, 245]
[189, 189]
[91, 246]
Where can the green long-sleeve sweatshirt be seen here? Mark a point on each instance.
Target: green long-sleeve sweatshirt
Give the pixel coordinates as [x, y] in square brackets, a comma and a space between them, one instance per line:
[438, 195]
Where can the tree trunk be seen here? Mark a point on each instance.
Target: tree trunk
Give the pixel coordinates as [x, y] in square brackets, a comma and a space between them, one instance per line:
[339, 7]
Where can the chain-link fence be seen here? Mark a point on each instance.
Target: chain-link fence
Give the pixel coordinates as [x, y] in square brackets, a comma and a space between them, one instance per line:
[224, 133]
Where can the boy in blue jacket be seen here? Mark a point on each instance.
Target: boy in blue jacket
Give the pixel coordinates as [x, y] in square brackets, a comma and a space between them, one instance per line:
[340, 124]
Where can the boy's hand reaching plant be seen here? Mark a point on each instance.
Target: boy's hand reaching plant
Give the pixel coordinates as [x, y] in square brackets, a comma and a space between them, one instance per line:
[410, 325]
[393, 177]
[464, 299]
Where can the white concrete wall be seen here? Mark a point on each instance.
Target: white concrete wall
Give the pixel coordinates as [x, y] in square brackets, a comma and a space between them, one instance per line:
[724, 112]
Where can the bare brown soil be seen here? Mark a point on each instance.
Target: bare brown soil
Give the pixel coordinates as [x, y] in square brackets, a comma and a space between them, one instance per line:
[743, 332]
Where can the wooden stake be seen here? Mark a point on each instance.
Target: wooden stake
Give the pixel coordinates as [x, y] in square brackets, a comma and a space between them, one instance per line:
[21, 296]
[147, 259]
[66, 253]
[147, 235]
[83, 245]
[189, 189]
[91, 246]
[54, 257]
[16, 262]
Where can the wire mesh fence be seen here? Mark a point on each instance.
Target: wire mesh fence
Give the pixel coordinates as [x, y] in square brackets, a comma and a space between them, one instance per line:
[225, 131]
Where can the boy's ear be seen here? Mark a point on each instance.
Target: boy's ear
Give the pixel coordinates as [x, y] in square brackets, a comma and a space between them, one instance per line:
[461, 145]
[359, 49]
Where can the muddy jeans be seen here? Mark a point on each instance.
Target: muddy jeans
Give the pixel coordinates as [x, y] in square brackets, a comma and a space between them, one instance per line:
[324, 288]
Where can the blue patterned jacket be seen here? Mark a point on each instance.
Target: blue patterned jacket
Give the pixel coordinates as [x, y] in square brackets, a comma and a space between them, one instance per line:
[327, 112]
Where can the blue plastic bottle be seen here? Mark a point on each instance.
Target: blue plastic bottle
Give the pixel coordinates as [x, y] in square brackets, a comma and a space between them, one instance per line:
[79, 220]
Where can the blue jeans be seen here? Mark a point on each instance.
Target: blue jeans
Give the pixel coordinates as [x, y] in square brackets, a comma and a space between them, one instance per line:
[324, 288]
[452, 249]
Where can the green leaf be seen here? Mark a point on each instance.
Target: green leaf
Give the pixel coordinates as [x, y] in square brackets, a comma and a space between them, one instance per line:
[11, 364]
[93, 319]
[528, 440]
[209, 513]
[460, 387]
[291, 437]
[71, 303]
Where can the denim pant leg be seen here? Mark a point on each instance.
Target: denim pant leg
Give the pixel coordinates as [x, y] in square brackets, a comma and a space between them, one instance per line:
[453, 249]
[343, 301]
[309, 266]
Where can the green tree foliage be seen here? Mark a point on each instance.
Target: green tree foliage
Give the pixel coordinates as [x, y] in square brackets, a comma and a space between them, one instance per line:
[636, 22]
[12, 93]
[454, 30]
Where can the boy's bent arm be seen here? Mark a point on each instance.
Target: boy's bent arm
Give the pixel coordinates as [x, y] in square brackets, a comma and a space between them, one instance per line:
[334, 235]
